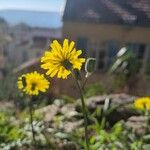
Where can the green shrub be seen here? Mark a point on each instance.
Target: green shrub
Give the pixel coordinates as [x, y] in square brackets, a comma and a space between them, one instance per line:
[9, 131]
[94, 89]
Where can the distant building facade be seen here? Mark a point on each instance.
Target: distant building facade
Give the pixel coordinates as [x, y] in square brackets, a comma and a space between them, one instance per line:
[102, 27]
[29, 42]
[4, 41]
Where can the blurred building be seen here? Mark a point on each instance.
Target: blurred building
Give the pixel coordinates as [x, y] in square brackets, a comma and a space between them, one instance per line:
[29, 42]
[4, 41]
[102, 27]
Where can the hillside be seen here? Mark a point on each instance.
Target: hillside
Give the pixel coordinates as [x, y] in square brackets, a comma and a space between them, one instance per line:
[32, 18]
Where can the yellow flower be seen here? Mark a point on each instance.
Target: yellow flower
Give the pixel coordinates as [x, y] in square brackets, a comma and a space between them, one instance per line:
[33, 83]
[142, 103]
[61, 60]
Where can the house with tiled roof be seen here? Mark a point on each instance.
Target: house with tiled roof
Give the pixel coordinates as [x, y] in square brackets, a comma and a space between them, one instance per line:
[101, 27]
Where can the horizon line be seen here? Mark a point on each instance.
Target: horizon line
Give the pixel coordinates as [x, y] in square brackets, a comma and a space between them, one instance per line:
[31, 10]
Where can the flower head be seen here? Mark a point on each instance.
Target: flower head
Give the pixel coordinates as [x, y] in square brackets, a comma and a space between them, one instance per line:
[33, 83]
[61, 60]
[142, 103]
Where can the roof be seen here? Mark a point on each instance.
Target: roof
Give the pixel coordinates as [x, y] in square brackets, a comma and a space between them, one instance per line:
[129, 12]
[26, 65]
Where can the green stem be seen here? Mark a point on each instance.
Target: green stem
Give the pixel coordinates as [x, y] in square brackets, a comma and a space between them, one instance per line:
[147, 121]
[84, 112]
[31, 121]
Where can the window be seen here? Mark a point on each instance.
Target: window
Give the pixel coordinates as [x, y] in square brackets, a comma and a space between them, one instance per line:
[93, 47]
[101, 59]
[82, 44]
[39, 42]
[97, 51]
[102, 54]
[91, 53]
[112, 49]
[147, 68]
[141, 51]
[138, 49]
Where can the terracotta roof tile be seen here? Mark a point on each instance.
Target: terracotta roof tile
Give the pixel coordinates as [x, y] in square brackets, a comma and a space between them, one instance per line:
[130, 12]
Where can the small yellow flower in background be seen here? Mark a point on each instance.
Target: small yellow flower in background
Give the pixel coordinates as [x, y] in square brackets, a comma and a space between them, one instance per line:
[142, 103]
[61, 60]
[33, 83]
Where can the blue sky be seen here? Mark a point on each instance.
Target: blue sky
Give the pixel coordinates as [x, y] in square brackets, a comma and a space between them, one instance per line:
[38, 5]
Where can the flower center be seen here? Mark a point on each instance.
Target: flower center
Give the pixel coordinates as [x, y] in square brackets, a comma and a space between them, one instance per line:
[66, 63]
[33, 86]
[144, 105]
[24, 81]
